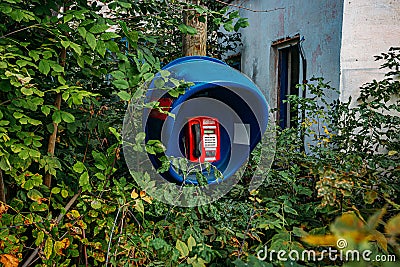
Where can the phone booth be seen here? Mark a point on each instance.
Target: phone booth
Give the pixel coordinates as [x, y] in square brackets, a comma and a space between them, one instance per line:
[219, 119]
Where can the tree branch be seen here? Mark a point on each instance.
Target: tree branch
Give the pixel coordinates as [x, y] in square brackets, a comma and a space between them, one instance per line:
[53, 137]
[2, 188]
[19, 30]
[246, 8]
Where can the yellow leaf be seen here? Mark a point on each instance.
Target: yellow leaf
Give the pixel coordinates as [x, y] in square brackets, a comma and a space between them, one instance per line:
[191, 243]
[60, 245]
[148, 199]
[9, 260]
[182, 248]
[134, 195]
[320, 240]
[393, 225]
[326, 130]
[3, 209]
[75, 213]
[48, 247]
[253, 192]
[392, 152]
[380, 239]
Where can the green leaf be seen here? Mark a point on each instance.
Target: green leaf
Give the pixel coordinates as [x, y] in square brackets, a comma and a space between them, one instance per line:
[101, 48]
[191, 243]
[289, 210]
[36, 180]
[48, 248]
[84, 179]
[299, 232]
[190, 30]
[34, 55]
[228, 26]
[182, 248]
[56, 67]
[56, 116]
[241, 23]
[148, 77]
[99, 28]
[182, 28]
[124, 4]
[76, 47]
[18, 115]
[55, 190]
[67, 117]
[26, 91]
[109, 35]
[118, 75]
[35, 206]
[139, 206]
[79, 167]
[159, 83]
[35, 195]
[61, 80]
[68, 17]
[34, 122]
[44, 66]
[95, 204]
[45, 110]
[39, 238]
[112, 46]
[91, 40]
[64, 193]
[124, 95]
[121, 84]
[65, 44]
[115, 132]
[82, 31]
[34, 153]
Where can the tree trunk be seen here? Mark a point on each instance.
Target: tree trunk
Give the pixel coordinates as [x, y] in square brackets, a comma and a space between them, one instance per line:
[53, 137]
[194, 45]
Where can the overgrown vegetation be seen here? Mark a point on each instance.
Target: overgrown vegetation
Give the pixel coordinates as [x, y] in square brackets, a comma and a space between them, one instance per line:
[69, 200]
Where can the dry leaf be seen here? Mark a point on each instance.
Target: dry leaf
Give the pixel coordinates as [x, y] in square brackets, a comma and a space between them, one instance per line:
[134, 195]
[3, 209]
[9, 260]
[60, 245]
[148, 199]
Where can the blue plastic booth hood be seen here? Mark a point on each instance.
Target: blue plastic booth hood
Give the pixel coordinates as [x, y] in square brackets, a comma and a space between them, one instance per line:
[218, 91]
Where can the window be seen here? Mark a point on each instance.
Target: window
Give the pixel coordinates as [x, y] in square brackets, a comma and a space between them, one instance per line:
[288, 77]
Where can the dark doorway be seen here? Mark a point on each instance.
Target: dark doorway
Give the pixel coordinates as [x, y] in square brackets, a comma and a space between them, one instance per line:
[288, 75]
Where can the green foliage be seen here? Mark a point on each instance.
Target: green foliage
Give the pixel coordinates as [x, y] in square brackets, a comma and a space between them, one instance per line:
[348, 171]
[91, 64]
[94, 214]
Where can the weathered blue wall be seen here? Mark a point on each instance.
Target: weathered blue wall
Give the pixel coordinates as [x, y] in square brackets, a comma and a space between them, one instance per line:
[318, 21]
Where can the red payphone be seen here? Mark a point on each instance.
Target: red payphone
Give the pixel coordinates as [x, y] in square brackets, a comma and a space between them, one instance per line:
[202, 139]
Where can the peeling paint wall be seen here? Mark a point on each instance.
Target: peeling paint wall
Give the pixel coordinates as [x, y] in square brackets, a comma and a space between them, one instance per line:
[318, 21]
[370, 27]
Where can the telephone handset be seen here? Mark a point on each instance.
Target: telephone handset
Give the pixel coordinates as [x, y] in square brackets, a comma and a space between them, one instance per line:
[202, 139]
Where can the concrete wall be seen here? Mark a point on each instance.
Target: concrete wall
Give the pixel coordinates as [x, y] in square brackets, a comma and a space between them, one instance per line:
[370, 27]
[318, 21]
